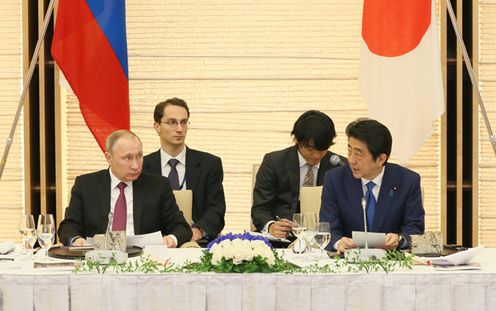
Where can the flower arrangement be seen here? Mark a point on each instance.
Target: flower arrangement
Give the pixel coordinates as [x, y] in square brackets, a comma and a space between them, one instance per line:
[240, 253]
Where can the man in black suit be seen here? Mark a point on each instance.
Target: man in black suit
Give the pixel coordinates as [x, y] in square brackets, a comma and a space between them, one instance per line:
[141, 203]
[188, 169]
[276, 196]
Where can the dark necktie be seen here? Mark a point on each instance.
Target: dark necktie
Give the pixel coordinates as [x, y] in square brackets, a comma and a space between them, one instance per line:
[120, 210]
[369, 196]
[173, 175]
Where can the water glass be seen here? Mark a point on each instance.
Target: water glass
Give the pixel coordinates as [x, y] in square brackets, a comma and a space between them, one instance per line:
[28, 232]
[46, 232]
[298, 229]
[323, 237]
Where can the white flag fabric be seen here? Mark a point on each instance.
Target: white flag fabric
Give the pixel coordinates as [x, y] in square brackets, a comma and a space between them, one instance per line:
[400, 70]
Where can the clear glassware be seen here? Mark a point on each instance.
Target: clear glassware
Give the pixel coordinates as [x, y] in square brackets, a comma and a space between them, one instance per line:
[46, 232]
[323, 237]
[298, 229]
[28, 231]
[310, 221]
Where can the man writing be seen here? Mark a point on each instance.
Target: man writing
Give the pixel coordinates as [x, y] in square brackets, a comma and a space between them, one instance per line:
[141, 203]
[391, 192]
[188, 169]
[282, 173]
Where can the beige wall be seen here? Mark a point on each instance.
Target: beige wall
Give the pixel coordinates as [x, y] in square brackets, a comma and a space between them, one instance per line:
[487, 157]
[247, 70]
[12, 182]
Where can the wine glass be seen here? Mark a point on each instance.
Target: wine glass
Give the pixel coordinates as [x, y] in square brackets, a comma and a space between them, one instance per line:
[298, 229]
[28, 231]
[323, 237]
[310, 221]
[46, 232]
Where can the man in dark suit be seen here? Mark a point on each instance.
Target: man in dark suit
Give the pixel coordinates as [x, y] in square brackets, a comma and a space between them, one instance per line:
[276, 195]
[390, 193]
[188, 169]
[141, 203]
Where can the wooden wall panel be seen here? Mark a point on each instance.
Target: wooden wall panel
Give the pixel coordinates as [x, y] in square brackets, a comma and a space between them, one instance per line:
[11, 183]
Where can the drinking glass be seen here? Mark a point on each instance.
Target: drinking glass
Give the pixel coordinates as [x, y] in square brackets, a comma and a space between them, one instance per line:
[310, 221]
[323, 237]
[28, 231]
[298, 229]
[46, 232]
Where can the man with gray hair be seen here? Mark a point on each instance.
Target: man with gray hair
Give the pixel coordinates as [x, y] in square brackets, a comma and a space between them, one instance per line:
[140, 202]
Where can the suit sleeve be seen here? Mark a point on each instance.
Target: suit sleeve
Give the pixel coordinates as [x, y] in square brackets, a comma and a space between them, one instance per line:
[414, 214]
[264, 194]
[72, 225]
[329, 210]
[173, 221]
[212, 219]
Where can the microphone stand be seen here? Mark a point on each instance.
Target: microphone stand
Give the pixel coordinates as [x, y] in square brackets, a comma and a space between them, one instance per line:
[25, 87]
[470, 70]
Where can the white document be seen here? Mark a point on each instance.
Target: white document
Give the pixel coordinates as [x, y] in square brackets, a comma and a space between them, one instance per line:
[141, 240]
[373, 238]
[460, 258]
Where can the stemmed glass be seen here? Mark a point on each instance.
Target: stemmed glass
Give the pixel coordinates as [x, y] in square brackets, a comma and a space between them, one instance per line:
[28, 231]
[310, 221]
[323, 237]
[46, 232]
[298, 229]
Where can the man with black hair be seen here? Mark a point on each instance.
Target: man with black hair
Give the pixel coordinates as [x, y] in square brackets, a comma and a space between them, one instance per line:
[390, 193]
[276, 196]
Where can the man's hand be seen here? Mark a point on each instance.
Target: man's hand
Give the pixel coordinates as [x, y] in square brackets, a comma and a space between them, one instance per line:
[345, 243]
[169, 242]
[79, 242]
[197, 234]
[392, 240]
[280, 228]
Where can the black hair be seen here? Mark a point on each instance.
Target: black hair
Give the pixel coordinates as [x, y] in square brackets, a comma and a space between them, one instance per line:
[315, 129]
[374, 134]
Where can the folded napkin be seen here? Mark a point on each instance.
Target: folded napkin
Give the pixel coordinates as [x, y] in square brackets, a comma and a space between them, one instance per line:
[7, 247]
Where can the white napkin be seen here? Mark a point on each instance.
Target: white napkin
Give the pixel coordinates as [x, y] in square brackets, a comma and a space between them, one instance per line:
[6, 247]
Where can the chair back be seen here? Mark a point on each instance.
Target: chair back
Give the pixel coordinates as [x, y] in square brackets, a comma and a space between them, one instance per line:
[310, 199]
[184, 200]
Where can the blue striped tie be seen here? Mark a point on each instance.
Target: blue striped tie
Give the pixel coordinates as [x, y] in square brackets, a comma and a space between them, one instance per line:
[369, 196]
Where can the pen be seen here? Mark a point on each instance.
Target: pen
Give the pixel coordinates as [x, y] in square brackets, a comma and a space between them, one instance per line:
[8, 259]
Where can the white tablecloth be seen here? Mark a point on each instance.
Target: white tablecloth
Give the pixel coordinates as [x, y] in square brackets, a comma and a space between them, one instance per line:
[419, 289]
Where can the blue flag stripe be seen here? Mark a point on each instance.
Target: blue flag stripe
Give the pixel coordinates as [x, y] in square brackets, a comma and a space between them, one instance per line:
[111, 16]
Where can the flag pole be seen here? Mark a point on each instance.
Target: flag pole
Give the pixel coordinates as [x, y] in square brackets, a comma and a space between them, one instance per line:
[470, 70]
[25, 87]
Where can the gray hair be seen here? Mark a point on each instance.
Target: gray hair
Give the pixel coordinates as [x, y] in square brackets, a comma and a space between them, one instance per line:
[115, 136]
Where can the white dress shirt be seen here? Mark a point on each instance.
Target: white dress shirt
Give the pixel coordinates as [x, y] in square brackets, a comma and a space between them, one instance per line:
[181, 166]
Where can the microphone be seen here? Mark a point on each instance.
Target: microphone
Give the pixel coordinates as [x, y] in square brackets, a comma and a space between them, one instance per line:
[336, 161]
[364, 208]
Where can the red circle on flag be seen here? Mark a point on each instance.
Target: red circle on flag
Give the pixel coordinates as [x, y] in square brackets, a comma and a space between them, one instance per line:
[394, 27]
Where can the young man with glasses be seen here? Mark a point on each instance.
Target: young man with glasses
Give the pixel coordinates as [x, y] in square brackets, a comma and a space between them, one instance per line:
[276, 196]
[188, 169]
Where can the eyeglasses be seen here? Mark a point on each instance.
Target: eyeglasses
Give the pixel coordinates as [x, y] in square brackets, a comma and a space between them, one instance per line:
[174, 123]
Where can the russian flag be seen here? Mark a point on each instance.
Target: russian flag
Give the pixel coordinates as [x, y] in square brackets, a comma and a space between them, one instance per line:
[89, 45]
[400, 70]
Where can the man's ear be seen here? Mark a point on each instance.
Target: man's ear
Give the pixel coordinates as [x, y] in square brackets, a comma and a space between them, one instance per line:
[156, 126]
[381, 159]
[108, 157]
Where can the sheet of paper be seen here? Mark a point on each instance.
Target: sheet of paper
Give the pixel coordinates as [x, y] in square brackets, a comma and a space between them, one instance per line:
[460, 258]
[141, 240]
[270, 236]
[373, 238]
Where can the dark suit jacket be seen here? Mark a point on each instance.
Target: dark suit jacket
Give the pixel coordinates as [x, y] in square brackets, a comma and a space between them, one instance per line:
[277, 187]
[154, 208]
[398, 209]
[204, 177]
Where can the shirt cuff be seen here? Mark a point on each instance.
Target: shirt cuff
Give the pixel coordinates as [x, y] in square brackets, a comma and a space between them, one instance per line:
[266, 227]
[173, 237]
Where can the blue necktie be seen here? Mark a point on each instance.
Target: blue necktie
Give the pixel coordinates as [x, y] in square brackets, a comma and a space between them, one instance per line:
[369, 196]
